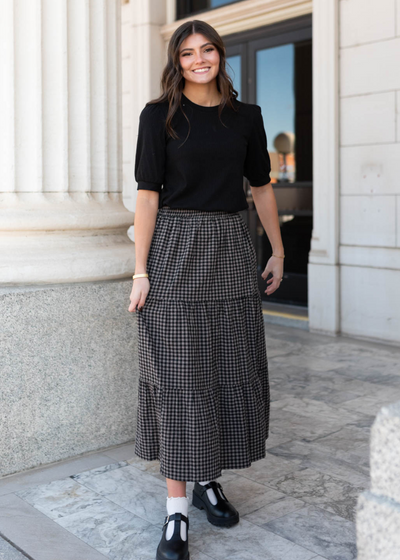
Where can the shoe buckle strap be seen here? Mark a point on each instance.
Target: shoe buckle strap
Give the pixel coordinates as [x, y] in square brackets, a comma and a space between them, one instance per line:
[214, 485]
[176, 517]
[210, 485]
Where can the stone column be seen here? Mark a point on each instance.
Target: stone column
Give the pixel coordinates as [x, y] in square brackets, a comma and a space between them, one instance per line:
[143, 60]
[323, 264]
[67, 341]
[61, 213]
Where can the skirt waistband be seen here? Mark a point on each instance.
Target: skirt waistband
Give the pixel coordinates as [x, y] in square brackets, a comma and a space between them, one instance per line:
[194, 212]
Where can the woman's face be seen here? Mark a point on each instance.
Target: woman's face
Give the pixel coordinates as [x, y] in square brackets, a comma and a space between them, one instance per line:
[199, 59]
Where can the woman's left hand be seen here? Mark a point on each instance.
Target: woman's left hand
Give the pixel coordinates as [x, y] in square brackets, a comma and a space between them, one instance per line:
[275, 267]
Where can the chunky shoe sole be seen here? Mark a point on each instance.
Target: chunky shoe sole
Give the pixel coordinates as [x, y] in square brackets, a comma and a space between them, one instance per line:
[198, 502]
[158, 557]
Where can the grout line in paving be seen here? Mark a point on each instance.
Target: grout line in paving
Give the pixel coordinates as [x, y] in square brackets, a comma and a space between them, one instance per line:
[11, 543]
[294, 542]
[268, 530]
[33, 519]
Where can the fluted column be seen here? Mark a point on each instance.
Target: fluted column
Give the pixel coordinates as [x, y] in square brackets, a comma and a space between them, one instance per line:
[62, 218]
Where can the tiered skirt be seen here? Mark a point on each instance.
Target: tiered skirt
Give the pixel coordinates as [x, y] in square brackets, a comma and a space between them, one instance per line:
[203, 397]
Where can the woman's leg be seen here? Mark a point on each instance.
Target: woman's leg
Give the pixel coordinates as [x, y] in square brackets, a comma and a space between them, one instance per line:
[176, 488]
[177, 501]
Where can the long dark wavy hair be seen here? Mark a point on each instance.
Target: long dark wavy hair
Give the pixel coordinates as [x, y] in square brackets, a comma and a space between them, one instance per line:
[172, 81]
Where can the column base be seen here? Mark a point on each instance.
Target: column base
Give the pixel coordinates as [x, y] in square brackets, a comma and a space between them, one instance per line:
[64, 237]
[323, 298]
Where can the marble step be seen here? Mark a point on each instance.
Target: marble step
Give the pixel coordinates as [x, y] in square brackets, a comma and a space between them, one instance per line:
[285, 315]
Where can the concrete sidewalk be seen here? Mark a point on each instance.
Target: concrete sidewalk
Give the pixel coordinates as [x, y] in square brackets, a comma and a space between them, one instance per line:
[296, 504]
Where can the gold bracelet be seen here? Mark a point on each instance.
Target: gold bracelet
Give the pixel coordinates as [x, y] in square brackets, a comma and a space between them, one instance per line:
[278, 256]
[144, 275]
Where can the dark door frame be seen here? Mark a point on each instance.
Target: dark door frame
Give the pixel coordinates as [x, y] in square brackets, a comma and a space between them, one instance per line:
[246, 44]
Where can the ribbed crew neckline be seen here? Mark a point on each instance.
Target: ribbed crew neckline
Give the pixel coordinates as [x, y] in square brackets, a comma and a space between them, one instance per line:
[199, 107]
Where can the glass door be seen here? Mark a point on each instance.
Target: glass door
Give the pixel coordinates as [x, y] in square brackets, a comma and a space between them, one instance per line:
[272, 68]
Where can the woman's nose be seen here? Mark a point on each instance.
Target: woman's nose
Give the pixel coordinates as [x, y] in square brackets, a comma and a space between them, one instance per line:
[198, 58]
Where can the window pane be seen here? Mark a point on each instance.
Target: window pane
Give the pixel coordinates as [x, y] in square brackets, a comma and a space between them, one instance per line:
[276, 97]
[187, 7]
[216, 3]
[233, 68]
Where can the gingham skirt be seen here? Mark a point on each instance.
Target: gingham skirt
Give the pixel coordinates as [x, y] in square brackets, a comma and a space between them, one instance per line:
[203, 397]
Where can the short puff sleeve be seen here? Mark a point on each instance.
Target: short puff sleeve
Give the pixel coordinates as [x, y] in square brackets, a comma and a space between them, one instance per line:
[257, 165]
[150, 149]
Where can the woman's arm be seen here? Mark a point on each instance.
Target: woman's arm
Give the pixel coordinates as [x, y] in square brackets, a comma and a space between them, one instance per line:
[144, 224]
[267, 210]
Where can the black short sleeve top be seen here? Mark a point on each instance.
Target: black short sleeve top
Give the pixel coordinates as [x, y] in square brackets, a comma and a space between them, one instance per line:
[206, 171]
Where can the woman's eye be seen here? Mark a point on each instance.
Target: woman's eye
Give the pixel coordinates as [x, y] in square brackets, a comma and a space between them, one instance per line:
[206, 50]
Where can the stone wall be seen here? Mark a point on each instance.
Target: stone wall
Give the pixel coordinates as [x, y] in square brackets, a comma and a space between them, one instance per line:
[68, 361]
[369, 96]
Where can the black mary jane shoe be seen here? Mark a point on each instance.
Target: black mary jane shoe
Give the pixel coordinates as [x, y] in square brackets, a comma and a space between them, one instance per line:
[175, 548]
[223, 514]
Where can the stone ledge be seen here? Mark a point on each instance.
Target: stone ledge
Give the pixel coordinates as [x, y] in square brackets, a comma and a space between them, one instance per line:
[385, 453]
[378, 523]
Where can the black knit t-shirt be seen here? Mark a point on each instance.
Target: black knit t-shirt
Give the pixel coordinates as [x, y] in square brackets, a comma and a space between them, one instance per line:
[206, 171]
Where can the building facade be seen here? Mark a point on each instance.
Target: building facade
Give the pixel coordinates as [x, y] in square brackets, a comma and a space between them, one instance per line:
[327, 78]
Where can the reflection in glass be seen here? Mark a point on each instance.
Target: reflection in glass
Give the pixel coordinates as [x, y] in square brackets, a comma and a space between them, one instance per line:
[216, 3]
[233, 68]
[187, 7]
[276, 97]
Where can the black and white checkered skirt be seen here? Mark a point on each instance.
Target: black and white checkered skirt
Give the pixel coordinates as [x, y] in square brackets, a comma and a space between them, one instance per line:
[203, 399]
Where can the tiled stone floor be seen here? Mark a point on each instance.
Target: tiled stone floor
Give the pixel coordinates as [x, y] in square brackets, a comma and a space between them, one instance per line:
[296, 504]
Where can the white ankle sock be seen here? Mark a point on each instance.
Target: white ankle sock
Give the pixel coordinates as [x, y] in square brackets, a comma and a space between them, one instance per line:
[211, 494]
[177, 505]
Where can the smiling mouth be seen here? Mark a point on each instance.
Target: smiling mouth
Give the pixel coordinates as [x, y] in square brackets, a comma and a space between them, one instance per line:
[201, 70]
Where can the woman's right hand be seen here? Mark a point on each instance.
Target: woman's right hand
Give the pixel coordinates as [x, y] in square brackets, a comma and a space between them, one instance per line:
[140, 289]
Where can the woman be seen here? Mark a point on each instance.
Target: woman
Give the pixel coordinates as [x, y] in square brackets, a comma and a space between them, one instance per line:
[203, 384]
